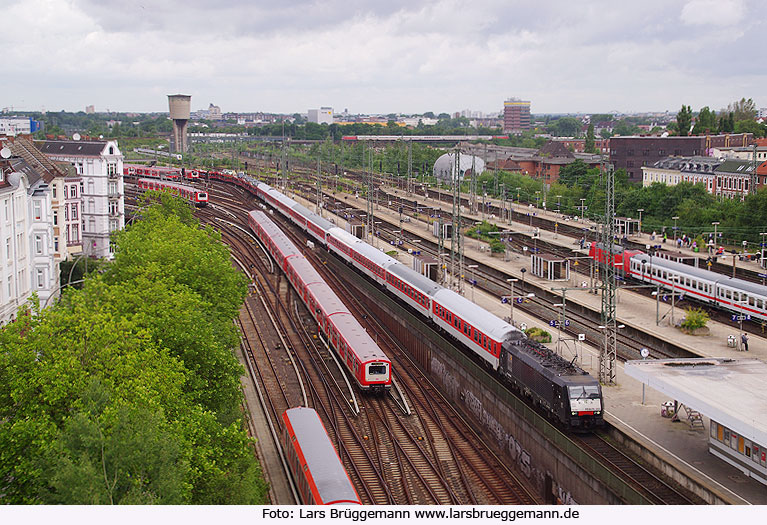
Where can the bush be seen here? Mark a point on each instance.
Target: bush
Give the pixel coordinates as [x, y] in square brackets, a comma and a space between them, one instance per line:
[695, 318]
[497, 246]
[538, 334]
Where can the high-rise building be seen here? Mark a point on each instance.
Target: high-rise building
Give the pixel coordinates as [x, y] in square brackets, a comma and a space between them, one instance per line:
[90, 110]
[516, 115]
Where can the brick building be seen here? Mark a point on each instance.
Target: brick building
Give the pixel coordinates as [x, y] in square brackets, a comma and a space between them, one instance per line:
[633, 152]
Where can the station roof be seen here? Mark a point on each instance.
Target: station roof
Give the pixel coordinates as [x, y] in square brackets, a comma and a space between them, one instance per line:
[732, 392]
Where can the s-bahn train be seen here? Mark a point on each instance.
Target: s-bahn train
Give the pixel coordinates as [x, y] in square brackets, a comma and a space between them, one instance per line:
[317, 470]
[197, 197]
[171, 173]
[734, 295]
[566, 392]
[360, 354]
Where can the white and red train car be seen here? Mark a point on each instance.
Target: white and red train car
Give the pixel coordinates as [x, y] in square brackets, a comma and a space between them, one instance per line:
[197, 197]
[554, 383]
[734, 295]
[317, 469]
[362, 357]
[171, 173]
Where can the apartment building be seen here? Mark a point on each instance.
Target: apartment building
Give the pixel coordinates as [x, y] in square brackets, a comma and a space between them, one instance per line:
[94, 204]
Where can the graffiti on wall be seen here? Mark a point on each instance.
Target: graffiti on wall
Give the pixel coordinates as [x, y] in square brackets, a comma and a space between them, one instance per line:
[521, 457]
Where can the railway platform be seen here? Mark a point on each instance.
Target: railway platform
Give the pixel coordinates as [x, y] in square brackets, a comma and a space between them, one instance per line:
[678, 443]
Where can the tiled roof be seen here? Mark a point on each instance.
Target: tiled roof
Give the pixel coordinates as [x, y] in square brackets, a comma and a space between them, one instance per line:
[25, 149]
[73, 148]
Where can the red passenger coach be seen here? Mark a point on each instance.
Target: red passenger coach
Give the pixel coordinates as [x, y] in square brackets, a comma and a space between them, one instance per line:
[198, 197]
[317, 470]
[358, 352]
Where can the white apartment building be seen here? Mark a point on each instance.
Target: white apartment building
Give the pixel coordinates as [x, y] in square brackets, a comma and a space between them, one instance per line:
[64, 182]
[14, 263]
[95, 206]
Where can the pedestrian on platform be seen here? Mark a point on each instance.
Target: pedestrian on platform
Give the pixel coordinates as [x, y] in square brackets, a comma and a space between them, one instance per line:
[744, 341]
[665, 237]
[652, 236]
[679, 243]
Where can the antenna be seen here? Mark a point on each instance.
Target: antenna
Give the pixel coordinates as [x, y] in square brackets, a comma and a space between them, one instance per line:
[5, 153]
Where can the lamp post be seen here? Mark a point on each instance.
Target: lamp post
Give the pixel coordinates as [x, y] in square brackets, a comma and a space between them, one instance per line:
[583, 207]
[673, 280]
[559, 323]
[675, 218]
[640, 210]
[559, 204]
[511, 299]
[473, 281]
[715, 224]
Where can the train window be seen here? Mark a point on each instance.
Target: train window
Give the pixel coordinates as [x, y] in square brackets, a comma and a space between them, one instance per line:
[759, 304]
[751, 300]
[376, 370]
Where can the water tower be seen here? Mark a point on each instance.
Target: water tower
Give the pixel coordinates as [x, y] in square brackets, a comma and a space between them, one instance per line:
[179, 113]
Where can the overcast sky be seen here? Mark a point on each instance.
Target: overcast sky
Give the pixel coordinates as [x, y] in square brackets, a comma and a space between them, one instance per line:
[385, 56]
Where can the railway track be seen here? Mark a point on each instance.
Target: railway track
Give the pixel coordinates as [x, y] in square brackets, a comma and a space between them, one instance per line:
[437, 451]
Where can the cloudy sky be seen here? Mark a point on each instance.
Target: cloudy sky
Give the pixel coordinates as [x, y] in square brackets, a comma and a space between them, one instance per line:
[385, 56]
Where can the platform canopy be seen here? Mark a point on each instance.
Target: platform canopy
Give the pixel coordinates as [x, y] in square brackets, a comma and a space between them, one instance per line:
[732, 392]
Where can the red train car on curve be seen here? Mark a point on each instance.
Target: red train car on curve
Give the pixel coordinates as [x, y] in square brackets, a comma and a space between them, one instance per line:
[360, 354]
[197, 197]
[317, 470]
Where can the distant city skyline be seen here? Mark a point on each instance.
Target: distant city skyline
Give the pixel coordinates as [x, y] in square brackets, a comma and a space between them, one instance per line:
[372, 58]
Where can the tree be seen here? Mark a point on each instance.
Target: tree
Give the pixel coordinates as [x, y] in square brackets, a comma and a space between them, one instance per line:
[565, 127]
[684, 120]
[706, 122]
[750, 126]
[590, 147]
[743, 109]
[624, 127]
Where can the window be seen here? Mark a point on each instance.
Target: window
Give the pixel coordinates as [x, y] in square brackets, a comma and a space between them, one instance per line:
[40, 278]
[55, 218]
[54, 191]
[8, 249]
[74, 212]
[37, 210]
[56, 244]
[111, 168]
[73, 191]
[75, 233]
[112, 225]
[38, 245]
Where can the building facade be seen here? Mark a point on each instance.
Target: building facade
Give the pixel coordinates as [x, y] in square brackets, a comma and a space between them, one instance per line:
[94, 196]
[516, 116]
[12, 126]
[323, 115]
[729, 178]
[633, 152]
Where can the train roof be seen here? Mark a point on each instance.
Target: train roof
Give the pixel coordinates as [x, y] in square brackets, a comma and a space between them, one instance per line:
[313, 217]
[475, 315]
[326, 297]
[171, 185]
[707, 275]
[312, 439]
[305, 270]
[363, 345]
[550, 363]
[414, 279]
[280, 240]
